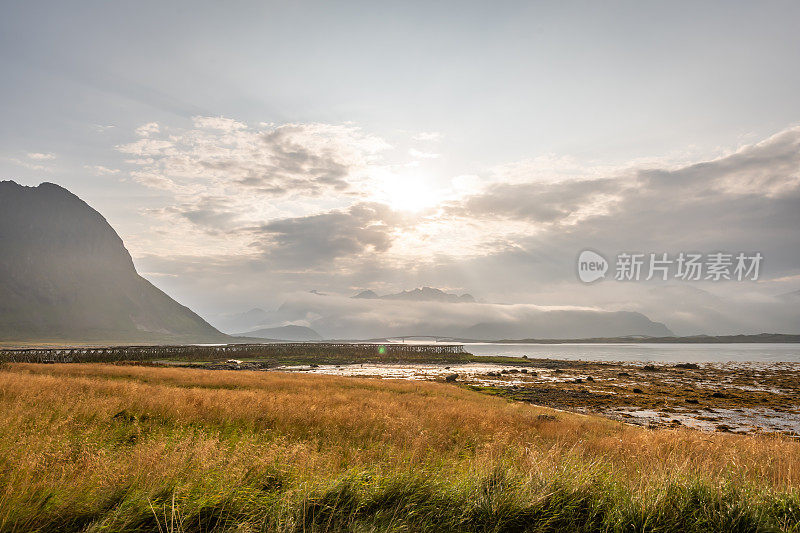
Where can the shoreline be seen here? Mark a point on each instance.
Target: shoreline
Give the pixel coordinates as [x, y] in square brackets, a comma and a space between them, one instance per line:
[744, 398]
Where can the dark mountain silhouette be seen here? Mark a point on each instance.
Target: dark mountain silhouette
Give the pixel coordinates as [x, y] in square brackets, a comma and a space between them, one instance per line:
[66, 275]
[336, 317]
[285, 333]
[570, 324]
[252, 319]
[367, 295]
[424, 294]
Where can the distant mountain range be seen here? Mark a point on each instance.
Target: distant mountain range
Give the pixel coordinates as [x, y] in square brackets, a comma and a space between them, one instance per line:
[428, 311]
[760, 338]
[370, 317]
[255, 318]
[423, 294]
[285, 333]
[569, 324]
[65, 275]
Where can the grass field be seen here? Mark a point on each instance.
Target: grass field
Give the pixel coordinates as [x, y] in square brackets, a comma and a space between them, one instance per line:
[124, 448]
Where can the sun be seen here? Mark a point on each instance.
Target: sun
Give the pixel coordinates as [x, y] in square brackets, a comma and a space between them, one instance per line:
[410, 193]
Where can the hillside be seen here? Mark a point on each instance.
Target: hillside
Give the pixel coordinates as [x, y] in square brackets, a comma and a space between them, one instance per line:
[569, 324]
[66, 275]
[285, 333]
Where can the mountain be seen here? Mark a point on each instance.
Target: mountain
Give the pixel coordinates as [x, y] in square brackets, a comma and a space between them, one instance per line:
[66, 275]
[285, 333]
[252, 319]
[342, 317]
[424, 294]
[691, 311]
[367, 295]
[569, 324]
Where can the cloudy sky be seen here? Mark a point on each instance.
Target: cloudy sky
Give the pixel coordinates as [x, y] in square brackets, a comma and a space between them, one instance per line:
[250, 152]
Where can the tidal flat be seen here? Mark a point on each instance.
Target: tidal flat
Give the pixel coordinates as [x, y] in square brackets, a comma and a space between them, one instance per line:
[732, 397]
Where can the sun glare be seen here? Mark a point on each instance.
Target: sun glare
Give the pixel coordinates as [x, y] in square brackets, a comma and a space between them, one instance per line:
[408, 193]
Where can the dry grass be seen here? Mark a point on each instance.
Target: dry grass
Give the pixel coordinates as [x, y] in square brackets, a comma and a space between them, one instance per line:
[94, 447]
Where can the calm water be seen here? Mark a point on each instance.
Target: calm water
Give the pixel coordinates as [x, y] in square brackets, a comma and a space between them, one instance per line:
[671, 353]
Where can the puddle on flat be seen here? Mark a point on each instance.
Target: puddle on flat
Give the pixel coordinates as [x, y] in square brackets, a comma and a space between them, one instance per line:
[753, 420]
[509, 375]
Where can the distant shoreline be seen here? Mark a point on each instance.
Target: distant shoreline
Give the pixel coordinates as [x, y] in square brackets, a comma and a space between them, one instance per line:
[637, 339]
[694, 339]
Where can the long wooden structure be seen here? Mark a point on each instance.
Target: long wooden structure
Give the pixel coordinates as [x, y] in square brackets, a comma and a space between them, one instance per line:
[108, 354]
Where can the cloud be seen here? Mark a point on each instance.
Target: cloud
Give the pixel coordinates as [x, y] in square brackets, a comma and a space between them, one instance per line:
[293, 207]
[219, 123]
[746, 200]
[147, 129]
[225, 178]
[35, 161]
[428, 136]
[768, 168]
[147, 149]
[422, 155]
[267, 160]
[217, 215]
[39, 156]
[309, 241]
[565, 202]
[100, 170]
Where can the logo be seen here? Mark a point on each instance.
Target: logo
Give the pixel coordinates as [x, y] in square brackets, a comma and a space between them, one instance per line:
[663, 266]
[591, 266]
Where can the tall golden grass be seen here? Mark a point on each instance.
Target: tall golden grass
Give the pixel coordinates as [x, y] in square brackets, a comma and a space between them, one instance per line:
[93, 447]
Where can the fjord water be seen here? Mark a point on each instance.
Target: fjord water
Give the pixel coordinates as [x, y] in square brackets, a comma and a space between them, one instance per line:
[667, 353]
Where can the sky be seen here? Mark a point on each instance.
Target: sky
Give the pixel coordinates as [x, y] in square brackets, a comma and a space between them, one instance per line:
[250, 152]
